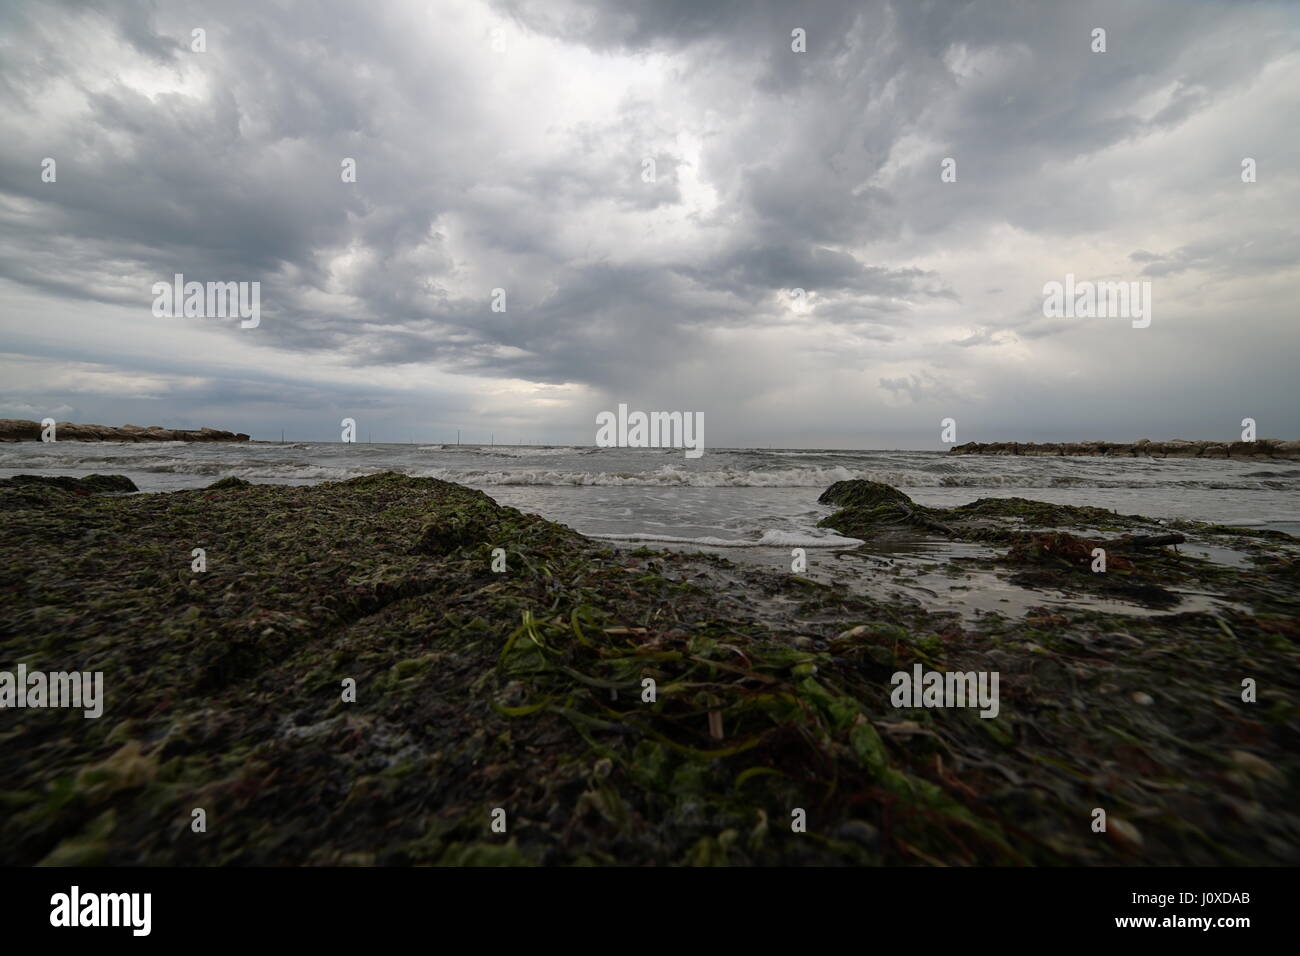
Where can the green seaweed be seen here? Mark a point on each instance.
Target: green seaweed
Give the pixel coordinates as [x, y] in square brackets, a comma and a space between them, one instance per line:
[527, 691]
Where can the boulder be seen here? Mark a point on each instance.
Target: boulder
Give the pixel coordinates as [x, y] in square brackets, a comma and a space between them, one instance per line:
[860, 493]
[18, 429]
[89, 485]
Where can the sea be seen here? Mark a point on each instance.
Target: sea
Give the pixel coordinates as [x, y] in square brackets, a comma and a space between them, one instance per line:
[741, 499]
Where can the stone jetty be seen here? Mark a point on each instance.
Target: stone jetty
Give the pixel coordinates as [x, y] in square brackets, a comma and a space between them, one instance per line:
[1144, 448]
[18, 429]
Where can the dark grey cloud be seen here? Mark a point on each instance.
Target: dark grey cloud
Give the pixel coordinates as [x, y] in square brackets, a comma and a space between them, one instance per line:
[1266, 250]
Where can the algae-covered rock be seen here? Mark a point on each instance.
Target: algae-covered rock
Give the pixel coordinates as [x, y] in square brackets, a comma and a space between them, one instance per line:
[860, 493]
[870, 506]
[1140, 570]
[863, 522]
[89, 485]
[229, 482]
[1044, 514]
[867, 506]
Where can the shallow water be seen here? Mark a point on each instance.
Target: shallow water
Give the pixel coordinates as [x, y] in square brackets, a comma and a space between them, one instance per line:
[729, 498]
[748, 505]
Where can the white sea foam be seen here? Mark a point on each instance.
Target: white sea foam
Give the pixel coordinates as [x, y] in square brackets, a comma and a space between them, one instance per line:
[108, 457]
[769, 539]
[1250, 493]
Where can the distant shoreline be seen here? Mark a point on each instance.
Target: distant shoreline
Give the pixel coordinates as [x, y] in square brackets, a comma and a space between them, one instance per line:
[19, 430]
[1145, 448]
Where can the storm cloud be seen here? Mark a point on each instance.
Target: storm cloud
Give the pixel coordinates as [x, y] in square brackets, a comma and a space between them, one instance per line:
[682, 210]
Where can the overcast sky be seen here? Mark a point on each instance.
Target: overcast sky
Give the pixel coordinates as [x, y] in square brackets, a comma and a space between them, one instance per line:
[505, 145]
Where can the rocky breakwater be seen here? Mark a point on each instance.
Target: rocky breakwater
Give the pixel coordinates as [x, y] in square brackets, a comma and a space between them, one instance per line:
[18, 429]
[1144, 448]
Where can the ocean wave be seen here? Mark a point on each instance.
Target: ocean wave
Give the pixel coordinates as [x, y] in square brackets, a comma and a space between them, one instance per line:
[669, 475]
[800, 454]
[520, 451]
[503, 465]
[515, 451]
[768, 539]
[1260, 522]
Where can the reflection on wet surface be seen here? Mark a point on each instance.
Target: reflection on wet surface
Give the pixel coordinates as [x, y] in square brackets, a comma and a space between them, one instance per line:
[957, 577]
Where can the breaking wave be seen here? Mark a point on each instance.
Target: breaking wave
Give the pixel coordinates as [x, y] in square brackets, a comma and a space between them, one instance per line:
[769, 538]
[322, 468]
